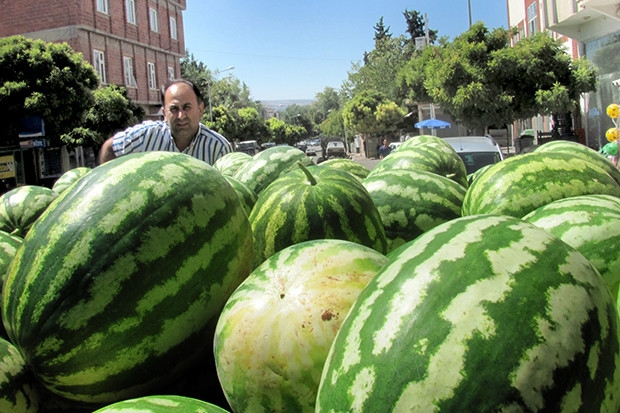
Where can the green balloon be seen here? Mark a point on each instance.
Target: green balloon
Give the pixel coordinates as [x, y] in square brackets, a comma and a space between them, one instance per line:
[611, 149]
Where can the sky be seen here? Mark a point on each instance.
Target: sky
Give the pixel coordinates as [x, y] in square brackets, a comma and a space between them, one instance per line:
[294, 49]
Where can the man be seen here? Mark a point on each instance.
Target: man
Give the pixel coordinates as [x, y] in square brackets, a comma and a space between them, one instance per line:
[385, 149]
[180, 131]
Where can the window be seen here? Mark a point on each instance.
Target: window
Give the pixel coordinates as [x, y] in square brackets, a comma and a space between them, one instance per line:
[99, 64]
[102, 6]
[152, 75]
[153, 19]
[173, 28]
[130, 80]
[532, 19]
[170, 72]
[131, 11]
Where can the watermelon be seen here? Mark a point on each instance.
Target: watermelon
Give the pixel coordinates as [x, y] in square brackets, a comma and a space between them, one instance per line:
[161, 404]
[21, 206]
[483, 313]
[301, 206]
[591, 225]
[246, 195]
[520, 184]
[267, 165]
[117, 287]
[68, 178]
[231, 162]
[411, 202]
[578, 150]
[276, 329]
[349, 165]
[426, 153]
[18, 388]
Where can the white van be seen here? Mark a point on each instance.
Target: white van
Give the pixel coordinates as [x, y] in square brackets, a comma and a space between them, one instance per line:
[249, 147]
[476, 151]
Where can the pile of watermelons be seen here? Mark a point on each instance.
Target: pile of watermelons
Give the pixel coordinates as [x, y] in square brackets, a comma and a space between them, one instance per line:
[266, 283]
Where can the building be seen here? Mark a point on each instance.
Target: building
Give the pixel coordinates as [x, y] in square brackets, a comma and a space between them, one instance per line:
[135, 43]
[590, 29]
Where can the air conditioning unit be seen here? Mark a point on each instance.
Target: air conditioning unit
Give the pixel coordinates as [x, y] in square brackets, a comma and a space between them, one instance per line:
[420, 43]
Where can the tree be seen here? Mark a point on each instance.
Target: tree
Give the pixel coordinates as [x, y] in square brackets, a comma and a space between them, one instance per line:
[112, 111]
[480, 80]
[43, 79]
[381, 32]
[416, 26]
[250, 126]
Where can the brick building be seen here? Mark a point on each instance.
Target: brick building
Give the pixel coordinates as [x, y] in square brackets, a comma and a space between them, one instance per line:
[135, 43]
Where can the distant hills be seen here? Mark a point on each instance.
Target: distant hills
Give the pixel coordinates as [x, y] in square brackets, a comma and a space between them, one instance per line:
[278, 105]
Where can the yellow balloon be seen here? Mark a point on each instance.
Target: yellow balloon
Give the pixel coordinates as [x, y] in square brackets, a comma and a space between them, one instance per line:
[613, 110]
[612, 134]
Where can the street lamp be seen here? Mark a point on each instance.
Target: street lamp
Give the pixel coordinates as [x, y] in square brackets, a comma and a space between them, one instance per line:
[217, 72]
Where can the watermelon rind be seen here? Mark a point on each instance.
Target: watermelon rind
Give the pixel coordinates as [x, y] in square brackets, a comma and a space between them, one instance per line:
[161, 404]
[274, 334]
[117, 287]
[231, 162]
[68, 178]
[591, 225]
[484, 313]
[18, 387]
[522, 183]
[21, 207]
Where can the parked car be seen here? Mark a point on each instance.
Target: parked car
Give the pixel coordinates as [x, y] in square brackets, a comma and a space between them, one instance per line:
[311, 150]
[249, 147]
[336, 149]
[394, 145]
[476, 151]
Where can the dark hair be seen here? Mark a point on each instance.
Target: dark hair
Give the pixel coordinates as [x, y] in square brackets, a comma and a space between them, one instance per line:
[171, 82]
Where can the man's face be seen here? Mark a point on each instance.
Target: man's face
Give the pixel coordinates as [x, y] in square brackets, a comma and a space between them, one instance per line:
[182, 111]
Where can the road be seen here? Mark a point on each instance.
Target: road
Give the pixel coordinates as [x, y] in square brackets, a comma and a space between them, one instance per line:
[368, 163]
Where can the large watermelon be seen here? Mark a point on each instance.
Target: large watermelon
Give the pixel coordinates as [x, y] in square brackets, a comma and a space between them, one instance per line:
[411, 202]
[231, 162]
[273, 336]
[21, 206]
[161, 404]
[483, 313]
[349, 165]
[581, 151]
[591, 225]
[117, 287]
[266, 166]
[520, 184]
[303, 205]
[18, 387]
[426, 153]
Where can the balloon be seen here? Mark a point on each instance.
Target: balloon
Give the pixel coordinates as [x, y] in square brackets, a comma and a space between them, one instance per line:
[611, 149]
[613, 110]
[612, 134]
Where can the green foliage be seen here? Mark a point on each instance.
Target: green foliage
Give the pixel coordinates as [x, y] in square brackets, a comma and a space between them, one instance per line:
[112, 111]
[481, 80]
[371, 112]
[45, 79]
[251, 126]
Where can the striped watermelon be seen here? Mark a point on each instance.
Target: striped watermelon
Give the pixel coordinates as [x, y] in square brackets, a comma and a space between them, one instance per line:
[591, 225]
[583, 152]
[162, 404]
[301, 206]
[484, 313]
[68, 178]
[21, 206]
[231, 162]
[520, 184]
[116, 289]
[411, 202]
[267, 165]
[18, 388]
[426, 153]
[274, 334]
[246, 195]
[349, 165]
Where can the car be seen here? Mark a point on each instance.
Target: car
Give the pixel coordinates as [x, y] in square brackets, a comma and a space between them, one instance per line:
[311, 150]
[249, 147]
[394, 145]
[476, 151]
[336, 149]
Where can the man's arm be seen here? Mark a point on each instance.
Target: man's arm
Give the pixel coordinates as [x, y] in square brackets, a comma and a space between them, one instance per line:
[106, 153]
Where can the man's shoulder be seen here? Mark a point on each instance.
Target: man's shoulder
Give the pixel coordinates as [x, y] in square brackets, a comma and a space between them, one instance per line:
[210, 133]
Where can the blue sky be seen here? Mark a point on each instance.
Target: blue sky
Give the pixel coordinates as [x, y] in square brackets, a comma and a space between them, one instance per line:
[293, 49]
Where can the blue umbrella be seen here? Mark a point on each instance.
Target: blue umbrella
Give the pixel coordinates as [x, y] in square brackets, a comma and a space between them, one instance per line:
[432, 123]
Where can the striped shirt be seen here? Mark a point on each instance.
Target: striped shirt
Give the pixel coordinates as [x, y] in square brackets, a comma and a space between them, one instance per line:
[149, 135]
